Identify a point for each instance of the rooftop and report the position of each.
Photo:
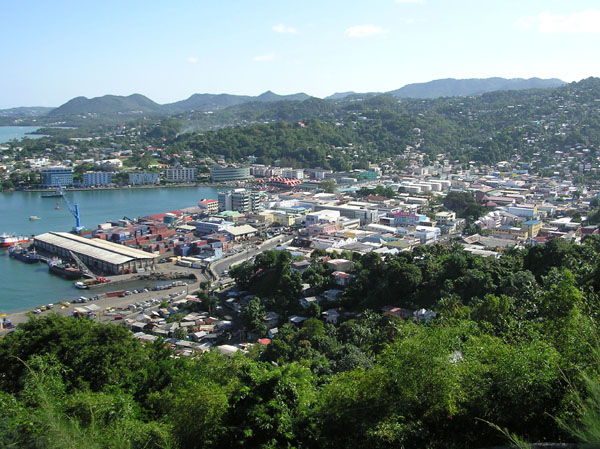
(95, 248)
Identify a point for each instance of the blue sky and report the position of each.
(54, 51)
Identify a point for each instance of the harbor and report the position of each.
(26, 286)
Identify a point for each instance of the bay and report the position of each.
(24, 286)
(8, 133)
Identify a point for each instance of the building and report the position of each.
(220, 173)
(98, 178)
(211, 226)
(522, 211)
(98, 255)
(445, 218)
(240, 200)
(292, 173)
(209, 206)
(146, 178)
(367, 175)
(55, 176)
(181, 174)
(408, 219)
(240, 232)
(322, 216)
(532, 227)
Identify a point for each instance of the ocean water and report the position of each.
(8, 133)
(24, 286)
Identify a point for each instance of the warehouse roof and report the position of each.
(240, 230)
(96, 248)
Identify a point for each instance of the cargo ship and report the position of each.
(65, 270)
(9, 240)
(22, 254)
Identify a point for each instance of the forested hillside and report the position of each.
(512, 345)
(525, 127)
(529, 125)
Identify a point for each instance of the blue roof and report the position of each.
(532, 222)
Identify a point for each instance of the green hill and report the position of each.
(108, 104)
(451, 87)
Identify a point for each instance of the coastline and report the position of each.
(170, 272)
(153, 186)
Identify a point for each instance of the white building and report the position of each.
(181, 174)
(100, 178)
(292, 173)
(138, 179)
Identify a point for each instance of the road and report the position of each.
(224, 264)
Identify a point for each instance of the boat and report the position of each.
(22, 254)
(86, 284)
(65, 270)
(55, 194)
(34, 218)
(9, 240)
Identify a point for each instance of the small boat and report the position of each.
(34, 218)
(86, 284)
(22, 254)
(55, 194)
(9, 240)
(56, 266)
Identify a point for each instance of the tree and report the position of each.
(252, 317)
(328, 186)
(180, 333)
(464, 204)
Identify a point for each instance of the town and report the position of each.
(321, 218)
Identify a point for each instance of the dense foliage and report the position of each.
(510, 342)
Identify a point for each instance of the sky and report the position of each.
(52, 51)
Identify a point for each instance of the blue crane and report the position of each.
(73, 208)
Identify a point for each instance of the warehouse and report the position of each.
(99, 255)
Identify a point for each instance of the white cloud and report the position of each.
(281, 28)
(410, 1)
(192, 59)
(364, 31)
(578, 22)
(265, 58)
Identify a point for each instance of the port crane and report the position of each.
(73, 208)
(82, 267)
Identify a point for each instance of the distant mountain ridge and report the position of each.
(139, 104)
(108, 104)
(28, 111)
(451, 87)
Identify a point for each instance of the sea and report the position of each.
(23, 286)
(8, 133)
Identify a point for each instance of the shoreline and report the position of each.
(169, 273)
(86, 189)
(90, 189)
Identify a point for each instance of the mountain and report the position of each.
(136, 103)
(207, 102)
(339, 95)
(108, 104)
(270, 96)
(32, 111)
(451, 87)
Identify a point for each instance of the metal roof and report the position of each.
(240, 230)
(95, 248)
